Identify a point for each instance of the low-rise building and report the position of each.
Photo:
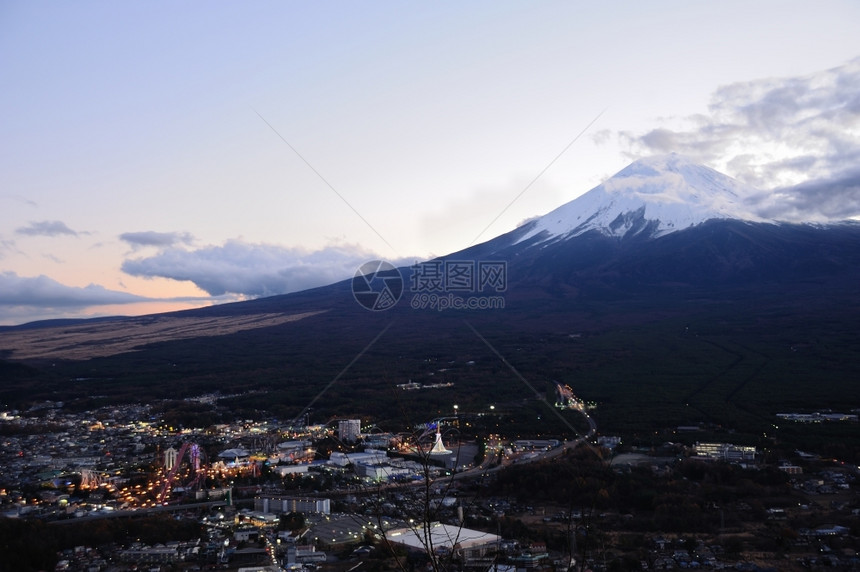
(284, 504)
(464, 542)
(725, 452)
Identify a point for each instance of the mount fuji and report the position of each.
(618, 284)
(665, 223)
(652, 197)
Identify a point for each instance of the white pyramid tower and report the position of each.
(438, 446)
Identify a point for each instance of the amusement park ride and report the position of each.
(172, 465)
(194, 472)
(565, 399)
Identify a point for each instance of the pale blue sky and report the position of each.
(133, 159)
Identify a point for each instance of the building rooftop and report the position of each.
(442, 536)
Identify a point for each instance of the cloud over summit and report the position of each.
(797, 136)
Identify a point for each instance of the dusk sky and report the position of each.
(159, 156)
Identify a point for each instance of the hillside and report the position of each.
(724, 323)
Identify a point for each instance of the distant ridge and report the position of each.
(59, 322)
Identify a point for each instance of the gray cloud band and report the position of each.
(251, 269)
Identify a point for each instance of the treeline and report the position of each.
(191, 414)
(9, 429)
(692, 496)
(33, 545)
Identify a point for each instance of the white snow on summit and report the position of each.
(658, 195)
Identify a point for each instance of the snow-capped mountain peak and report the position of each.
(654, 197)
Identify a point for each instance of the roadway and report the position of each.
(484, 468)
(138, 512)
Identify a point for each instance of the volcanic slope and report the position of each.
(659, 294)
